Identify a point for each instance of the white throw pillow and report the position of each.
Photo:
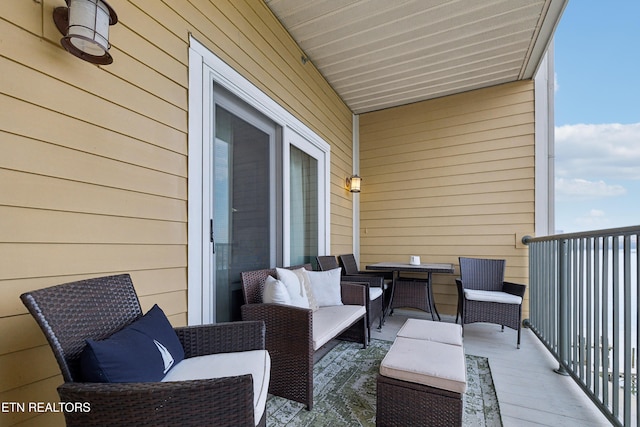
(275, 292)
(294, 286)
(325, 286)
(306, 282)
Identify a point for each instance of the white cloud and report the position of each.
(598, 152)
(582, 189)
(594, 219)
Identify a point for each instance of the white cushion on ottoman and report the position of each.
(254, 362)
(447, 333)
(429, 363)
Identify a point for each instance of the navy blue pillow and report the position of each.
(143, 351)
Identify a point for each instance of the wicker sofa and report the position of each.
(292, 333)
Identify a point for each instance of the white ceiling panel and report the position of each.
(378, 54)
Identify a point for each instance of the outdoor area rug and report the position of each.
(345, 391)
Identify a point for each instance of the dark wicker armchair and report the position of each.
(484, 296)
(290, 335)
(96, 308)
(374, 287)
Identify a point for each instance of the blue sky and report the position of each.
(597, 115)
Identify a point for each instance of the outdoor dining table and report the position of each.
(413, 292)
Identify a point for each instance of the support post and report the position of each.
(563, 306)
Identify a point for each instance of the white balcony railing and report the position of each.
(583, 292)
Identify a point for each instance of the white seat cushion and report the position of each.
(374, 293)
(255, 362)
(425, 362)
(331, 320)
(492, 296)
(447, 333)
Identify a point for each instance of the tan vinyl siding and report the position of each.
(450, 177)
(93, 159)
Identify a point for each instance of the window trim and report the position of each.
(203, 62)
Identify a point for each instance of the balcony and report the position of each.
(584, 308)
(528, 390)
(578, 361)
(96, 161)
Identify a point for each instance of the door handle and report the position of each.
(211, 235)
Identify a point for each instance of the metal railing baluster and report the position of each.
(584, 299)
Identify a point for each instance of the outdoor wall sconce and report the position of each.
(85, 27)
(353, 183)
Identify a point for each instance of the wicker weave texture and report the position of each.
(491, 312)
(327, 262)
(350, 266)
(289, 338)
(70, 313)
(96, 308)
(488, 275)
(482, 274)
(411, 293)
(401, 403)
(185, 403)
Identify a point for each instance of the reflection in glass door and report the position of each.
(304, 207)
(242, 206)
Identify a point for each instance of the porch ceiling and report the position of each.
(380, 53)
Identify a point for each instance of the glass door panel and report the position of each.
(303, 176)
(241, 206)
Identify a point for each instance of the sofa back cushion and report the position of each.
(325, 286)
(275, 292)
(295, 287)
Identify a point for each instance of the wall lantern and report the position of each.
(353, 183)
(85, 27)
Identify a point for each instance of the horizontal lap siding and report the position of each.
(450, 177)
(93, 160)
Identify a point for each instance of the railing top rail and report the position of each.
(622, 231)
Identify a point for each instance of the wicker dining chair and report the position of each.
(484, 296)
(327, 262)
(375, 290)
(350, 266)
(70, 313)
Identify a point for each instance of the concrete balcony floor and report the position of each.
(529, 392)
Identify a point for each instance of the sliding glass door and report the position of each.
(258, 187)
(243, 199)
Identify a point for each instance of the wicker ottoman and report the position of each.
(421, 381)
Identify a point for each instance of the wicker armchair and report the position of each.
(289, 337)
(374, 287)
(484, 296)
(96, 308)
